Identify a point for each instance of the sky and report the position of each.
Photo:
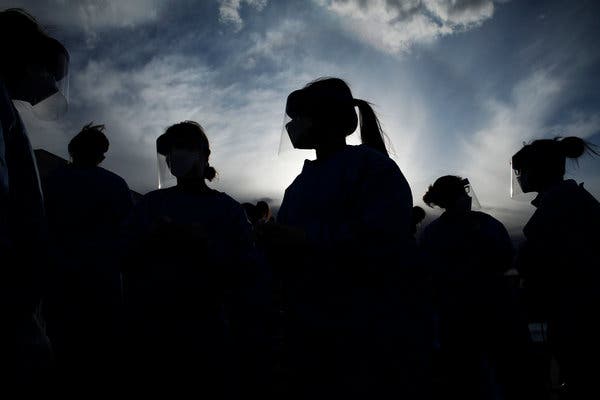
(459, 85)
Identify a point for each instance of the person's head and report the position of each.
(449, 193)
(32, 61)
(251, 214)
(87, 148)
(322, 113)
(541, 163)
(186, 149)
(418, 215)
(263, 210)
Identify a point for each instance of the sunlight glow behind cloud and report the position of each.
(458, 85)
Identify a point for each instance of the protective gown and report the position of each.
(354, 296)
(196, 294)
(86, 207)
(23, 250)
(483, 339)
(561, 267)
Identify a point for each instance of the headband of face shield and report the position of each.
(316, 110)
(179, 151)
(40, 74)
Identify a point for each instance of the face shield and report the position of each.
(165, 177)
(56, 105)
(515, 186)
(178, 163)
(285, 143)
(475, 204)
(45, 83)
(516, 190)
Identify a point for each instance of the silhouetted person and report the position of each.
(85, 204)
(31, 66)
(343, 232)
(251, 213)
(418, 215)
(559, 260)
(259, 213)
(196, 296)
(263, 211)
(483, 342)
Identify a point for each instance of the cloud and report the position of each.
(527, 115)
(90, 16)
(243, 121)
(229, 11)
(275, 44)
(394, 26)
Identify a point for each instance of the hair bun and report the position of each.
(572, 147)
(210, 173)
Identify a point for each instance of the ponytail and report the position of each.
(371, 133)
(574, 147)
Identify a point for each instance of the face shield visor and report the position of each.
(56, 105)
(515, 186)
(475, 204)
(516, 189)
(165, 177)
(181, 153)
(45, 83)
(178, 163)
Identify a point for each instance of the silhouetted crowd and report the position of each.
(188, 293)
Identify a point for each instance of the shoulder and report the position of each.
(59, 173)
(485, 218)
(432, 231)
(110, 176)
(371, 156)
(489, 222)
(434, 226)
(378, 167)
(567, 201)
(227, 201)
(232, 211)
(154, 195)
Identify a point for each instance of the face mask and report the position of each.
(525, 183)
(300, 133)
(467, 203)
(181, 162)
(462, 204)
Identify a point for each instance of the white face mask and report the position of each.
(181, 161)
